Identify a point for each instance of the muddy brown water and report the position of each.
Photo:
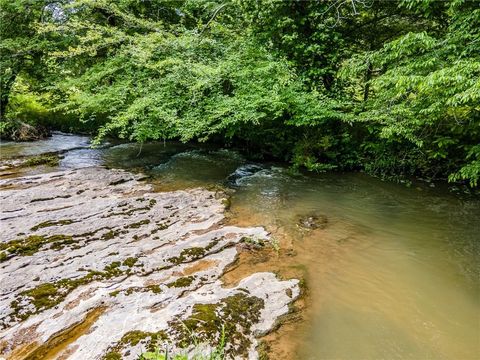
(391, 272)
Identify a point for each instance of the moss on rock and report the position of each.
(45, 159)
(149, 341)
(234, 316)
(188, 254)
(48, 295)
(51, 223)
(130, 262)
(182, 282)
(31, 244)
(137, 224)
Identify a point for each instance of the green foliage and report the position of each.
(391, 87)
(6, 128)
(199, 351)
(425, 96)
(186, 86)
(470, 171)
(27, 105)
(205, 83)
(21, 46)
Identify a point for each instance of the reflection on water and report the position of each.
(394, 273)
(197, 167)
(82, 158)
(57, 142)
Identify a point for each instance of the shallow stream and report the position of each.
(391, 272)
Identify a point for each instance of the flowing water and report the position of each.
(391, 272)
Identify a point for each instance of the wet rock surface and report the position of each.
(312, 221)
(50, 159)
(98, 246)
(235, 178)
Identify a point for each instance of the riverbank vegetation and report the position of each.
(388, 87)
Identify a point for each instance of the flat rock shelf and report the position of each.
(95, 265)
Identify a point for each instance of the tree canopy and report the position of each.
(390, 87)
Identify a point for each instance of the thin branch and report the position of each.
(215, 13)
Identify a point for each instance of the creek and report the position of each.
(390, 271)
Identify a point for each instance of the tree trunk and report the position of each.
(3, 107)
(5, 95)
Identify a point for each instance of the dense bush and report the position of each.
(389, 87)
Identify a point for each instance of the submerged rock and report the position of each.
(94, 260)
(242, 172)
(312, 221)
(49, 159)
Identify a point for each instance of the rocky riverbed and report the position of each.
(94, 264)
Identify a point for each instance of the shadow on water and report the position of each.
(391, 272)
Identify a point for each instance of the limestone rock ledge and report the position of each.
(93, 265)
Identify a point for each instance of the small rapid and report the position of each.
(391, 272)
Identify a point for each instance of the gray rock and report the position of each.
(96, 245)
(312, 221)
